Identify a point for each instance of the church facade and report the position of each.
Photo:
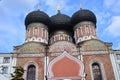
(64, 48)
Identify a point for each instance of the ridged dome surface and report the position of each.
(60, 22)
(83, 15)
(37, 16)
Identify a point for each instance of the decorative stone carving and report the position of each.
(60, 47)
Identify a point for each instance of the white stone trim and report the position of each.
(94, 52)
(65, 78)
(81, 72)
(85, 38)
(38, 39)
(46, 66)
(101, 68)
(114, 65)
(26, 66)
(31, 55)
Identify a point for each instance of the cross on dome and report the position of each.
(38, 6)
(80, 6)
(58, 7)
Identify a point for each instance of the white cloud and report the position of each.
(11, 8)
(114, 28)
(112, 5)
(51, 6)
(11, 35)
(12, 29)
(102, 16)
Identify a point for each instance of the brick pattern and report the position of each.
(60, 36)
(23, 61)
(105, 61)
(64, 45)
(36, 31)
(85, 31)
(60, 42)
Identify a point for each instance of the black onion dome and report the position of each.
(37, 16)
(83, 15)
(60, 22)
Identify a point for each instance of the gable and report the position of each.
(31, 47)
(93, 45)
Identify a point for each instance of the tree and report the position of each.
(18, 74)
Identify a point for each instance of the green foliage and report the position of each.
(18, 74)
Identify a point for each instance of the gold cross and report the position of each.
(80, 6)
(38, 6)
(58, 6)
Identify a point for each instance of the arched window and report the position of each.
(61, 37)
(96, 71)
(31, 70)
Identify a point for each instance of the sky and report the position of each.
(13, 13)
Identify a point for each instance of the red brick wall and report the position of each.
(39, 61)
(106, 64)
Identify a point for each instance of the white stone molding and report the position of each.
(38, 39)
(94, 52)
(85, 38)
(31, 55)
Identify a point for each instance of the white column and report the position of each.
(114, 65)
(46, 62)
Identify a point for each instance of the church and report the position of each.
(63, 48)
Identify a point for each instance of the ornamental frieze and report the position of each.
(31, 55)
(93, 52)
(60, 47)
(59, 53)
